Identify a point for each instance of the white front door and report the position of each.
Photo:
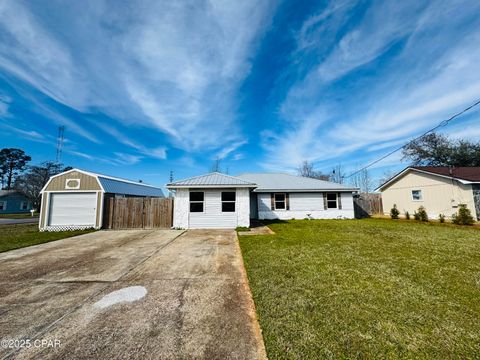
(73, 209)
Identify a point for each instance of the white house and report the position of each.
(222, 201)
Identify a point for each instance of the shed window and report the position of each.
(228, 201)
(3, 205)
(24, 205)
(332, 200)
(280, 201)
(196, 201)
(416, 195)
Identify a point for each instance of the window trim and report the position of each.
(284, 201)
(68, 187)
(229, 201)
(331, 201)
(4, 202)
(196, 202)
(26, 205)
(420, 193)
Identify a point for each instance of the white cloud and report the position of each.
(432, 77)
(174, 67)
(226, 151)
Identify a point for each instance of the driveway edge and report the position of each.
(252, 311)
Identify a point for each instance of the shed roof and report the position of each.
(116, 185)
(267, 182)
(214, 179)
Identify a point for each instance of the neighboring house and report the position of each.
(221, 201)
(75, 199)
(439, 189)
(13, 202)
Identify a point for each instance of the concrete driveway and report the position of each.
(160, 294)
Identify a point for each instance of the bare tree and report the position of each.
(337, 174)
(387, 175)
(363, 181)
(307, 170)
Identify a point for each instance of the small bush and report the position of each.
(407, 215)
(416, 215)
(441, 218)
(394, 212)
(463, 217)
(422, 214)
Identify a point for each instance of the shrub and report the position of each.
(394, 212)
(463, 217)
(422, 214)
(441, 218)
(407, 215)
(416, 215)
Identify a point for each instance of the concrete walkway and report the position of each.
(131, 295)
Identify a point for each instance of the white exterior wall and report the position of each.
(302, 204)
(439, 195)
(212, 216)
(181, 208)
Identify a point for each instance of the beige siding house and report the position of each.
(439, 189)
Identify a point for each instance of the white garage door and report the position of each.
(73, 209)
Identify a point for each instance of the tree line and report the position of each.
(17, 174)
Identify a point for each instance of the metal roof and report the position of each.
(214, 179)
(267, 182)
(115, 186)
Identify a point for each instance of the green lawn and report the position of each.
(22, 235)
(364, 289)
(18, 216)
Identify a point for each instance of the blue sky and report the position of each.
(152, 86)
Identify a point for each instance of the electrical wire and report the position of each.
(441, 124)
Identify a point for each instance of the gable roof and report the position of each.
(267, 182)
(115, 185)
(214, 179)
(9, 192)
(466, 175)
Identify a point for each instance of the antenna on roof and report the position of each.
(60, 138)
(171, 176)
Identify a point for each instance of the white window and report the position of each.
(24, 205)
(332, 201)
(196, 201)
(416, 195)
(72, 184)
(280, 201)
(228, 201)
(3, 205)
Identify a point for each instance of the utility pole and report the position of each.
(60, 138)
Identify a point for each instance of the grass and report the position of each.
(18, 216)
(22, 235)
(364, 289)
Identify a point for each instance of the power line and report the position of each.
(441, 124)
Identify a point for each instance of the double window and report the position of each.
(197, 199)
(3, 205)
(332, 202)
(280, 201)
(416, 195)
(228, 201)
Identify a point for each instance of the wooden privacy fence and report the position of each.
(138, 213)
(366, 205)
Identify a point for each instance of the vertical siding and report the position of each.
(439, 195)
(87, 182)
(43, 210)
(180, 209)
(212, 216)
